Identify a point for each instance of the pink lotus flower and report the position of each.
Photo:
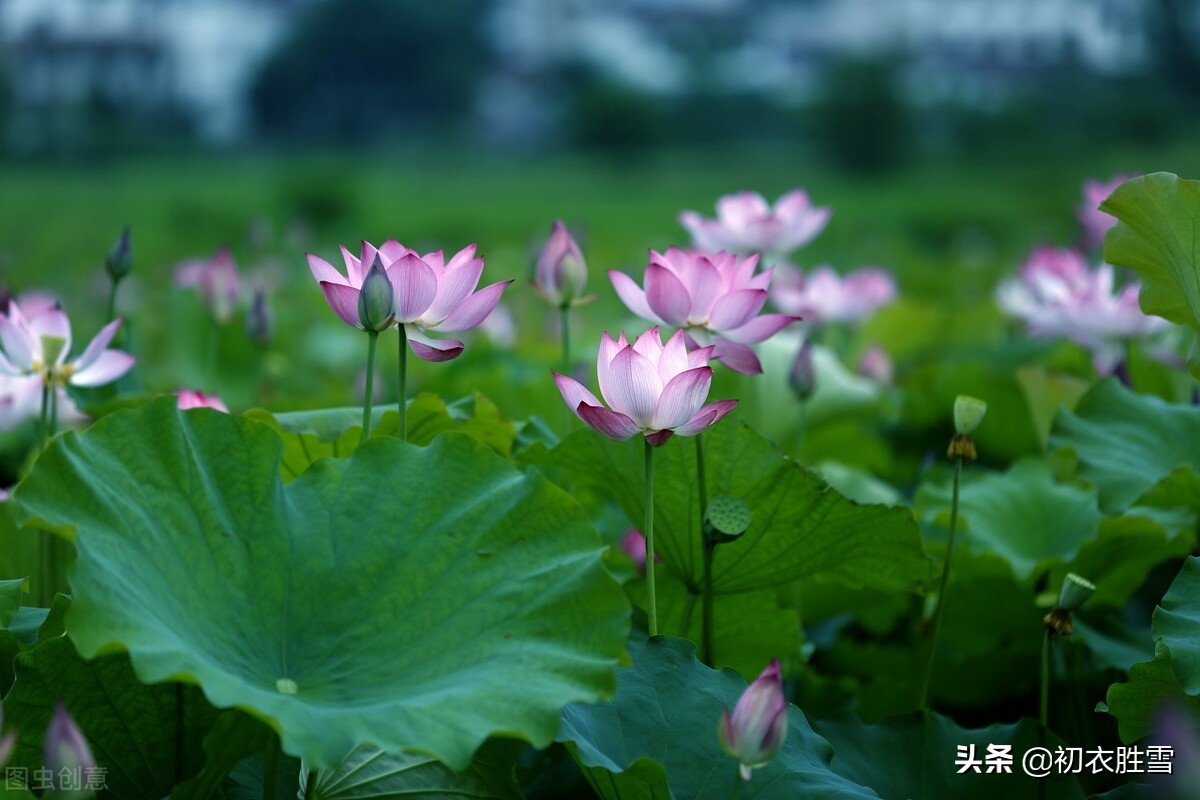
(430, 294)
(190, 399)
(67, 754)
(40, 346)
(715, 297)
(1057, 294)
(1095, 222)
(650, 388)
(756, 731)
(747, 223)
(561, 273)
(633, 544)
(216, 279)
(824, 296)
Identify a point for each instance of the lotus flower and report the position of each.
(430, 294)
(1057, 294)
(756, 731)
(561, 273)
(802, 377)
(876, 364)
(824, 296)
(40, 346)
(216, 279)
(190, 399)
(746, 223)
(633, 544)
(716, 297)
(650, 388)
(67, 755)
(1095, 222)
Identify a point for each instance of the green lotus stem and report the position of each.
(180, 735)
(44, 420)
(372, 340)
(53, 408)
(403, 383)
(945, 582)
(1044, 698)
(310, 785)
(737, 785)
(112, 300)
(706, 631)
(271, 773)
(689, 605)
(651, 600)
(565, 317)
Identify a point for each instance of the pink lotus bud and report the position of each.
(803, 377)
(216, 279)
(190, 399)
(119, 261)
(259, 324)
(634, 545)
(7, 741)
(67, 755)
(561, 273)
(876, 364)
(756, 731)
(376, 299)
(1095, 223)
(654, 389)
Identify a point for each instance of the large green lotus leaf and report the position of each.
(1126, 549)
(749, 629)
(1151, 685)
(234, 736)
(1126, 443)
(800, 526)
(914, 757)
(1158, 235)
(148, 738)
(10, 599)
(1113, 642)
(334, 432)
(417, 598)
(371, 774)
(1177, 622)
(658, 737)
(1021, 515)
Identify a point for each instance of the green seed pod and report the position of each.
(725, 519)
(968, 413)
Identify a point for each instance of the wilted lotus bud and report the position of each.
(803, 378)
(561, 273)
(68, 756)
(377, 299)
(119, 261)
(1075, 592)
(968, 413)
(258, 321)
(758, 727)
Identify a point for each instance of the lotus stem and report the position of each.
(651, 600)
(945, 582)
(372, 341)
(706, 631)
(181, 735)
(737, 785)
(565, 317)
(310, 785)
(112, 300)
(271, 772)
(1044, 698)
(403, 408)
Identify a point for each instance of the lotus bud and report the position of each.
(755, 732)
(377, 300)
(876, 364)
(7, 742)
(968, 413)
(119, 261)
(258, 321)
(633, 544)
(803, 378)
(561, 273)
(67, 755)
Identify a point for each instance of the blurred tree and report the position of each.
(356, 69)
(862, 122)
(1175, 27)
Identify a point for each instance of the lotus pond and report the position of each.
(723, 523)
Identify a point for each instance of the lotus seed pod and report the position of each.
(726, 518)
(1075, 592)
(968, 413)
